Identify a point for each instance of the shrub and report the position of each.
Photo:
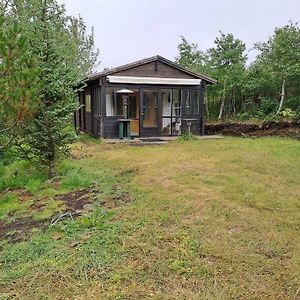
(22, 175)
(266, 108)
(288, 113)
(187, 137)
(73, 178)
(245, 116)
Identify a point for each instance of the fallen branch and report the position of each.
(60, 216)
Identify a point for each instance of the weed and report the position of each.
(186, 137)
(96, 218)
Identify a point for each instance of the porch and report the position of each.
(152, 111)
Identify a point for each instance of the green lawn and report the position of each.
(203, 219)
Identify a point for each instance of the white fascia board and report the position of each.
(153, 80)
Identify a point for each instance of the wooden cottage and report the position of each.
(149, 98)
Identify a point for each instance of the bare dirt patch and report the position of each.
(20, 229)
(73, 203)
(283, 128)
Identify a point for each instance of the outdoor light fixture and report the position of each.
(124, 91)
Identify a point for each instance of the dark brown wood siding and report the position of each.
(111, 127)
(154, 69)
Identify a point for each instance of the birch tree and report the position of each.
(282, 55)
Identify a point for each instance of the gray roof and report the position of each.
(149, 60)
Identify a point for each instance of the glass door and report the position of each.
(149, 112)
(171, 112)
(133, 113)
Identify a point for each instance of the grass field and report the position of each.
(203, 219)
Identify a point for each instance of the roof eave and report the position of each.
(149, 60)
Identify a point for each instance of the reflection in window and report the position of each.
(120, 105)
(110, 102)
(166, 126)
(192, 100)
(150, 108)
(133, 107)
(171, 111)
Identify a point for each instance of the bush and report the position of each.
(245, 116)
(21, 175)
(266, 108)
(294, 104)
(187, 137)
(288, 113)
(72, 177)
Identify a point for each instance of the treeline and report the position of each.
(44, 57)
(268, 88)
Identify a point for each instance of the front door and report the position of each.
(149, 113)
(133, 113)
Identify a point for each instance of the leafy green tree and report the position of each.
(281, 53)
(227, 61)
(59, 45)
(190, 56)
(82, 52)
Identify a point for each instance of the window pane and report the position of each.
(110, 103)
(195, 102)
(192, 100)
(166, 126)
(133, 107)
(120, 105)
(176, 124)
(87, 103)
(176, 103)
(187, 103)
(150, 109)
(171, 101)
(166, 102)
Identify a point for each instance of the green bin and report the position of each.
(124, 129)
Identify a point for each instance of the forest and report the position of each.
(267, 88)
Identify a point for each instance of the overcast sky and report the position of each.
(128, 30)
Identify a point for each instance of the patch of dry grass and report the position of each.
(211, 219)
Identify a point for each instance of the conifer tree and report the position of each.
(56, 48)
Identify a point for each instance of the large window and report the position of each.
(115, 103)
(171, 111)
(191, 102)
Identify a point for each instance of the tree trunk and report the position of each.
(282, 95)
(51, 168)
(206, 106)
(223, 101)
(234, 103)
